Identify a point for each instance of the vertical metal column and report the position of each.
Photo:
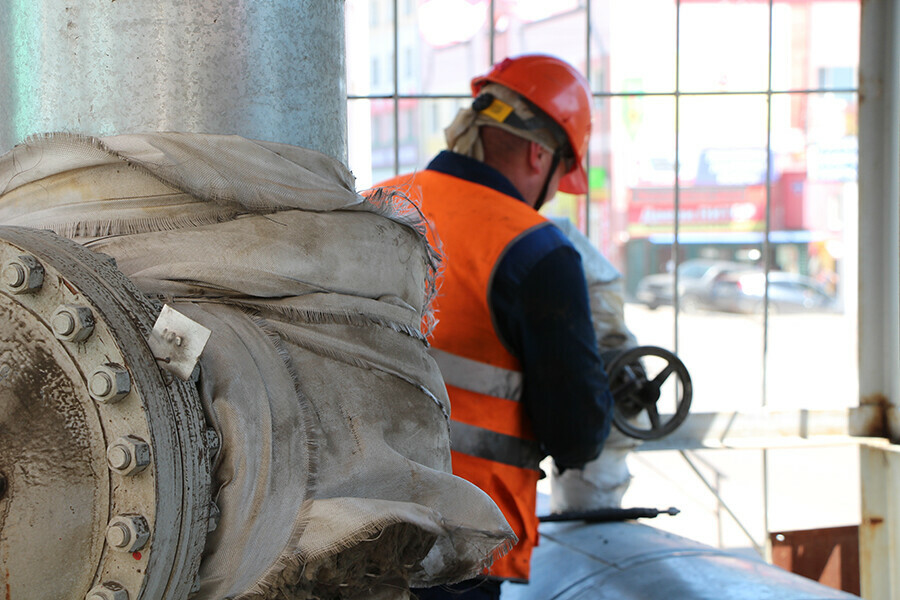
(879, 291)
(263, 70)
(879, 215)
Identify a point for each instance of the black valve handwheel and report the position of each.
(635, 391)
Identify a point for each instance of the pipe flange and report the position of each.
(101, 426)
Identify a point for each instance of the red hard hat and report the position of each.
(561, 92)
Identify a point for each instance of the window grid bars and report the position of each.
(807, 91)
(588, 74)
(677, 95)
(765, 252)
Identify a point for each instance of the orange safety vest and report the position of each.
(491, 441)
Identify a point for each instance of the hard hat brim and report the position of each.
(575, 181)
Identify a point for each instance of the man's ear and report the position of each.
(535, 156)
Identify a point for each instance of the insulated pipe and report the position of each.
(632, 561)
(264, 70)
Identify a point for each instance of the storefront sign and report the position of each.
(699, 209)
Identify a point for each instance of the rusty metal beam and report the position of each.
(879, 532)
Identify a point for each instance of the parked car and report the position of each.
(744, 292)
(696, 278)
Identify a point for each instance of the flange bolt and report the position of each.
(108, 590)
(23, 274)
(72, 323)
(128, 455)
(109, 383)
(128, 533)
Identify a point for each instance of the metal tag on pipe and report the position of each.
(177, 342)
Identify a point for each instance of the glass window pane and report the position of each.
(724, 46)
(443, 44)
(722, 141)
(420, 135)
(359, 142)
(434, 117)
(369, 34)
(558, 28)
(530, 11)
(722, 223)
(723, 159)
(807, 53)
(371, 154)
(633, 46)
(722, 347)
(631, 202)
(409, 153)
(632, 216)
(735, 183)
(812, 327)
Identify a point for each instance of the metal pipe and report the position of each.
(632, 561)
(262, 70)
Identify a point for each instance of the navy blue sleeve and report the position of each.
(541, 311)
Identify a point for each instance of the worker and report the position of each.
(514, 338)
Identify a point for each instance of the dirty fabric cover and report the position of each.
(334, 476)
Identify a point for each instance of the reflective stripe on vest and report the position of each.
(474, 376)
(484, 443)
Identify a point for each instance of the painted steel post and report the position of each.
(879, 293)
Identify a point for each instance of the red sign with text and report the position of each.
(699, 209)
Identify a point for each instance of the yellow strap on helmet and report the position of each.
(497, 110)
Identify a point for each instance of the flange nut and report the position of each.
(128, 455)
(23, 274)
(72, 323)
(108, 590)
(128, 533)
(109, 383)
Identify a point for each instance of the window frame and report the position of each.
(877, 304)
